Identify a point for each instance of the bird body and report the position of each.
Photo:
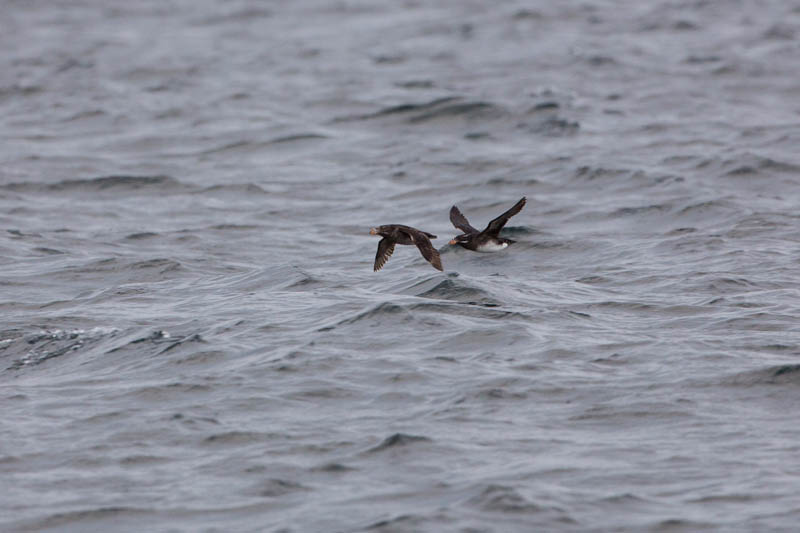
(489, 239)
(492, 246)
(398, 234)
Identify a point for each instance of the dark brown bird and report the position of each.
(397, 234)
(488, 240)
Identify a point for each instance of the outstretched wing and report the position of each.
(460, 221)
(385, 251)
(497, 224)
(426, 248)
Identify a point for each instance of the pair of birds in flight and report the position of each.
(488, 240)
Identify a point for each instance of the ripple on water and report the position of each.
(455, 289)
(507, 502)
(36, 348)
(397, 440)
(97, 518)
(786, 374)
(114, 184)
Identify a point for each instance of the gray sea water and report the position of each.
(192, 336)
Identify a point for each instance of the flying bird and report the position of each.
(488, 240)
(397, 234)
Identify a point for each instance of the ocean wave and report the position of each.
(399, 524)
(82, 518)
(143, 184)
(35, 348)
(397, 440)
(157, 342)
(236, 15)
(141, 235)
(786, 374)
(505, 499)
(746, 164)
(124, 270)
(234, 188)
(276, 487)
(249, 146)
(383, 310)
(440, 108)
(236, 438)
(453, 289)
(552, 125)
(606, 174)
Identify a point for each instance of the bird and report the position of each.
(487, 240)
(398, 234)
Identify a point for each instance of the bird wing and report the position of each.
(385, 251)
(460, 221)
(497, 224)
(426, 248)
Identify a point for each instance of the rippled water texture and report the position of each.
(193, 338)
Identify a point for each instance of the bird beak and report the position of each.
(453, 241)
(373, 231)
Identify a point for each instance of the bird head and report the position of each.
(459, 238)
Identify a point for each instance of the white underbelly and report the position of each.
(492, 247)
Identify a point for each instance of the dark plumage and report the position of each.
(397, 234)
(488, 240)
